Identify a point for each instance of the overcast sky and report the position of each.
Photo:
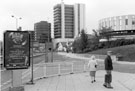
(32, 11)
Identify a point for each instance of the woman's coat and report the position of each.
(92, 65)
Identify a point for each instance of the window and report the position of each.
(120, 22)
(126, 21)
(133, 22)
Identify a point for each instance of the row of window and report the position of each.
(122, 28)
(67, 34)
(115, 23)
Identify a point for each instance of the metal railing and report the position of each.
(50, 69)
(55, 69)
(44, 70)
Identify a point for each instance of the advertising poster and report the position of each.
(16, 50)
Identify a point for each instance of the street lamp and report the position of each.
(16, 21)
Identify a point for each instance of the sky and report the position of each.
(32, 11)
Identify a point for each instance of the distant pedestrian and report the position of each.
(108, 67)
(92, 65)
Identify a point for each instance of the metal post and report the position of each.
(31, 54)
(59, 70)
(72, 68)
(32, 65)
(32, 62)
(84, 69)
(52, 55)
(44, 70)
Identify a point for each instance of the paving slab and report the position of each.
(82, 82)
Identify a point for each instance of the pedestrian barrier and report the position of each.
(59, 68)
(55, 69)
(52, 69)
(44, 70)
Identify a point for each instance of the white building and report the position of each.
(124, 22)
(69, 20)
(119, 23)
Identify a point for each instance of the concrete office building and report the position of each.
(69, 20)
(125, 22)
(32, 35)
(42, 31)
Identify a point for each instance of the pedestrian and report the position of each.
(108, 67)
(92, 65)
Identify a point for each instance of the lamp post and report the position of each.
(16, 21)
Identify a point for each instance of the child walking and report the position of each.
(92, 65)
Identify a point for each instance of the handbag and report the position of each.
(95, 66)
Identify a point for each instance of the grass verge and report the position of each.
(127, 52)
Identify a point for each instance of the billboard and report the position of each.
(16, 50)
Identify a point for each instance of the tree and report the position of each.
(96, 35)
(84, 40)
(80, 43)
(103, 32)
(76, 45)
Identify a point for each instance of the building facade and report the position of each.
(42, 31)
(32, 35)
(119, 23)
(1, 47)
(69, 20)
(125, 22)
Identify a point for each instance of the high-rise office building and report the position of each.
(69, 20)
(42, 31)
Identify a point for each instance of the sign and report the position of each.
(16, 50)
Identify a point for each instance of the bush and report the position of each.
(91, 45)
(119, 57)
(87, 50)
(116, 43)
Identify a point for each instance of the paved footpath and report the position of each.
(82, 81)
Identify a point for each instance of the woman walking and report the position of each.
(92, 65)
